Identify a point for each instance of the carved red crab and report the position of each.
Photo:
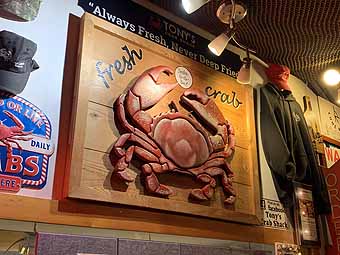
(197, 143)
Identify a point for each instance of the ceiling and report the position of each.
(301, 34)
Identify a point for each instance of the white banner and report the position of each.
(36, 143)
(274, 215)
(330, 119)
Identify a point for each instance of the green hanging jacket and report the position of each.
(288, 147)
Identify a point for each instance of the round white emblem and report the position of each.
(183, 77)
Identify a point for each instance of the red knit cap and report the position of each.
(278, 75)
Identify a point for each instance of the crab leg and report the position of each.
(120, 158)
(212, 162)
(221, 154)
(21, 138)
(215, 166)
(146, 153)
(15, 119)
(207, 191)
(15, 142)
(9, 148)
(130, 137)
(23, 133)
(155, 167)
(151, 181)
(152, 184)
(226, 180)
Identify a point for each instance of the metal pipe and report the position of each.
(242, 46)
(232, 20)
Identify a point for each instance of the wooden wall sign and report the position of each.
(155, 129)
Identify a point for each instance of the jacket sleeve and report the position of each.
(273, 142)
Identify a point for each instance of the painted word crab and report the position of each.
(197, 143)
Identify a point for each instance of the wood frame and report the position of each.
(298, 217)
(330, 140)
(93, 215)
(77, 212)
(75, 189)
(321, 151)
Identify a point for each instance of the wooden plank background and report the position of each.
(87, 213)
(95, 132)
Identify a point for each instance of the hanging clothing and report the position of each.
(288, 147)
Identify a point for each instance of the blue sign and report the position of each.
(25, 144)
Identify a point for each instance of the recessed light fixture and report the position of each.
(331, 77)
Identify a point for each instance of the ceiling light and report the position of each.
(331, 77)
(218, 45)
(192, 5)
(243, 76)
(228, 13)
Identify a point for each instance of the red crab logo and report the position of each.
(9, 135)
(197, 143)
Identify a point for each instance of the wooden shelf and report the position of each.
(87, 214)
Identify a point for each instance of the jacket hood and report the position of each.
(285, 94)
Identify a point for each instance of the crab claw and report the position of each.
(197, 95)
(15, 119)
(208, 113)
(149, 90)
(206, 110)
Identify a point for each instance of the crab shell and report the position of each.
(182, 138)
(196, 143)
